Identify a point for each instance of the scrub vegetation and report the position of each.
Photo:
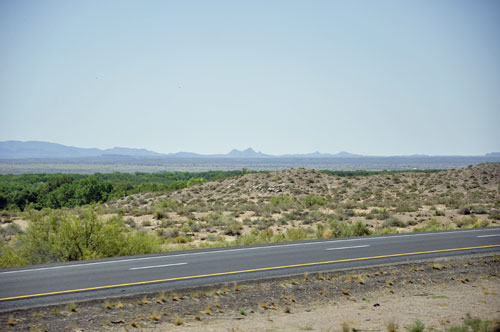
(107, 215)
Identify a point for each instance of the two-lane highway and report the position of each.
(93, 279)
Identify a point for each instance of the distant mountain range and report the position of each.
(36, 149)
(251, 153)
(39, 150)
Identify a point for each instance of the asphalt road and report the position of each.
(45, 284)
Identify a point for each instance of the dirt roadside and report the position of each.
(439, 292)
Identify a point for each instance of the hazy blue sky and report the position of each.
(369, 77)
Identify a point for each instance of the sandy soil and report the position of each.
(438, 306)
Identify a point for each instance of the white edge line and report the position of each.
(488, 235)
(243, 249)
(153, 266)
(353, 247)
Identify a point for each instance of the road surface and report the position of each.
(73, 281)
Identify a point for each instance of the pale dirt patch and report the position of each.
(22, 223)
(437, 306)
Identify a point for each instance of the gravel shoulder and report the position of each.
(439, 292)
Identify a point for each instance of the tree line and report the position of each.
(55, 191)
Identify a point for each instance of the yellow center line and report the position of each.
(243, 271)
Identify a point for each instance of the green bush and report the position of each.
(359, 229)
(296, 234)
(311, 200)
(467, 222)
(283, 201)
(393, 222)
(479, 325)
(405, 208)
(168, 204)
(417, 326)
(343, 229)
(431, 225)
(60, 237)
(9, 256)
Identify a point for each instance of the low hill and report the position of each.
(318, 204)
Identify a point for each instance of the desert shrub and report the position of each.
(216, 219)
(359, 229)
(248, 239)
(478, 325)
(171, 232)
(466, 222)
(313, 217)
(416, 326)
(311, 200)
(159, 214)
(339, 229)
(430, 226)
(60, 237)
(255, 237)
(343, 229)
(320, 230)
(266, 235)
(369, 216)
(233, 228)
(9, 256)
(494, 214)
(129, 221)
(380, 214)
(182, 239)
(194, 226)
(168, 204)
(478, 209)
(296, 234)
(412, 222)
(393, 222)
(283, 201)
(405, 207)
(471, 222)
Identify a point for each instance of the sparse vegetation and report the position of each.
(156, 212)
(178, 321)
(11, 321)
(416, 326)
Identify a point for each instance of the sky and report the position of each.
(367, 77)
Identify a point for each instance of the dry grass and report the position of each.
(178, 321)
(11, 321)
(155, 316)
